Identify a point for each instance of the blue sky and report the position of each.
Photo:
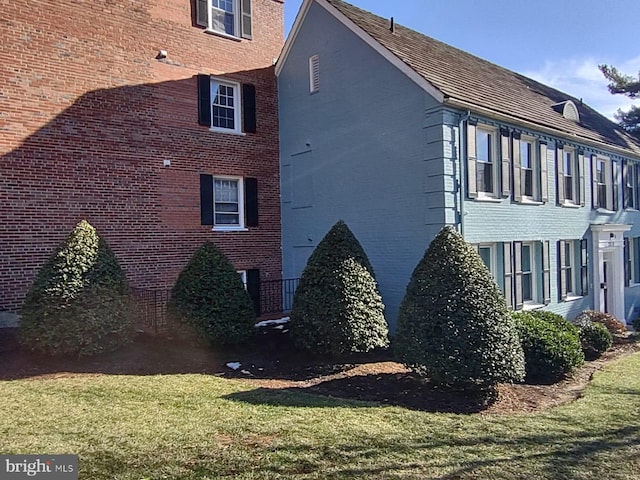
(557, 42)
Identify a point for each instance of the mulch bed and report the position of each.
(273, 364)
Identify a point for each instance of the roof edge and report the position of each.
(497, 115)
(365, 37)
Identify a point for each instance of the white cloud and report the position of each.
(581, 78)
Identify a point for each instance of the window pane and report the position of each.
(226, 203)
(223, 107)
(485, 177)
(485, 255)
(568, 163)
(526, 258)
(483, 142)
(525, 155)
(526, 287)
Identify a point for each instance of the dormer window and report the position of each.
(568, 110)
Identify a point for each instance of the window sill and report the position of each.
(633, 285)
(487, 199)
(228, 132)
(572, 298)
(230, 229)
(526, 201)
(570, 205)
(630, 209)
(532, 306)
(221, 34)
(605, 211)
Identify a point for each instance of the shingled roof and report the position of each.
(467, 81)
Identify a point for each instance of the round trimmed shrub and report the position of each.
(210, 297)
(615, 326)
(80, 302)
(454, 326)
(595, 340)
(337, 308)
(555, 319)
(550, 351)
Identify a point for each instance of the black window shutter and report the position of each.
(253, 288)
(204, 100)
(627, 264)
(249, 107)
(251, 201)
(206, 199)
(202, 15)
(246, 20)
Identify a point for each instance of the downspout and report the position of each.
(462, 152)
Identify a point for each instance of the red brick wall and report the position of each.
(88, 115)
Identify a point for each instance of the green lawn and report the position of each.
(204, 427)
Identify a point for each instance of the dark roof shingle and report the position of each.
(465, 77)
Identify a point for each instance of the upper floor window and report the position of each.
(602, 190)
(226, 106)
(225, 17)
(569, 164)
(630, 185)
(530, 169)
(486, 162)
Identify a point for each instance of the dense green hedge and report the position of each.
(210, 297)
(337, 308)
(551, 349)
(615, 326)
(454, 326)
(79, 303)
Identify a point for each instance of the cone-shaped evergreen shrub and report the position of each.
(454, 326)
(209, 296)
(337, 307)
(79, 303)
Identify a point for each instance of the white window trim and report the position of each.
(575, 177)
(240, 227)
(494, 161)
(535, 273)
(243, 277)
(236, 21)
(237, 107)
(570, 261)
(493, 267)
(534, 199)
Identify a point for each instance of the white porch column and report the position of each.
(608, 247)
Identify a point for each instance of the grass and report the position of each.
(205, 427)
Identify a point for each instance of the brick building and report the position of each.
(155, 120)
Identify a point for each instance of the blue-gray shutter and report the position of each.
(246, 20)
(206, 199)
(560, 173)
(517, 168)
(508, 273)
(544, 175)
(562, 271)
(584, 269)
(472, 182)
(251, 201)
(505, 161)
(546, 273)
(517, 275)
(582, 189)
(204, 100)
(627, 264)
(249, 108)
(253, 288)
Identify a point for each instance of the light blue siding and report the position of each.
(373, 155)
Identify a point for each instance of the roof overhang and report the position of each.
(497, 115)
